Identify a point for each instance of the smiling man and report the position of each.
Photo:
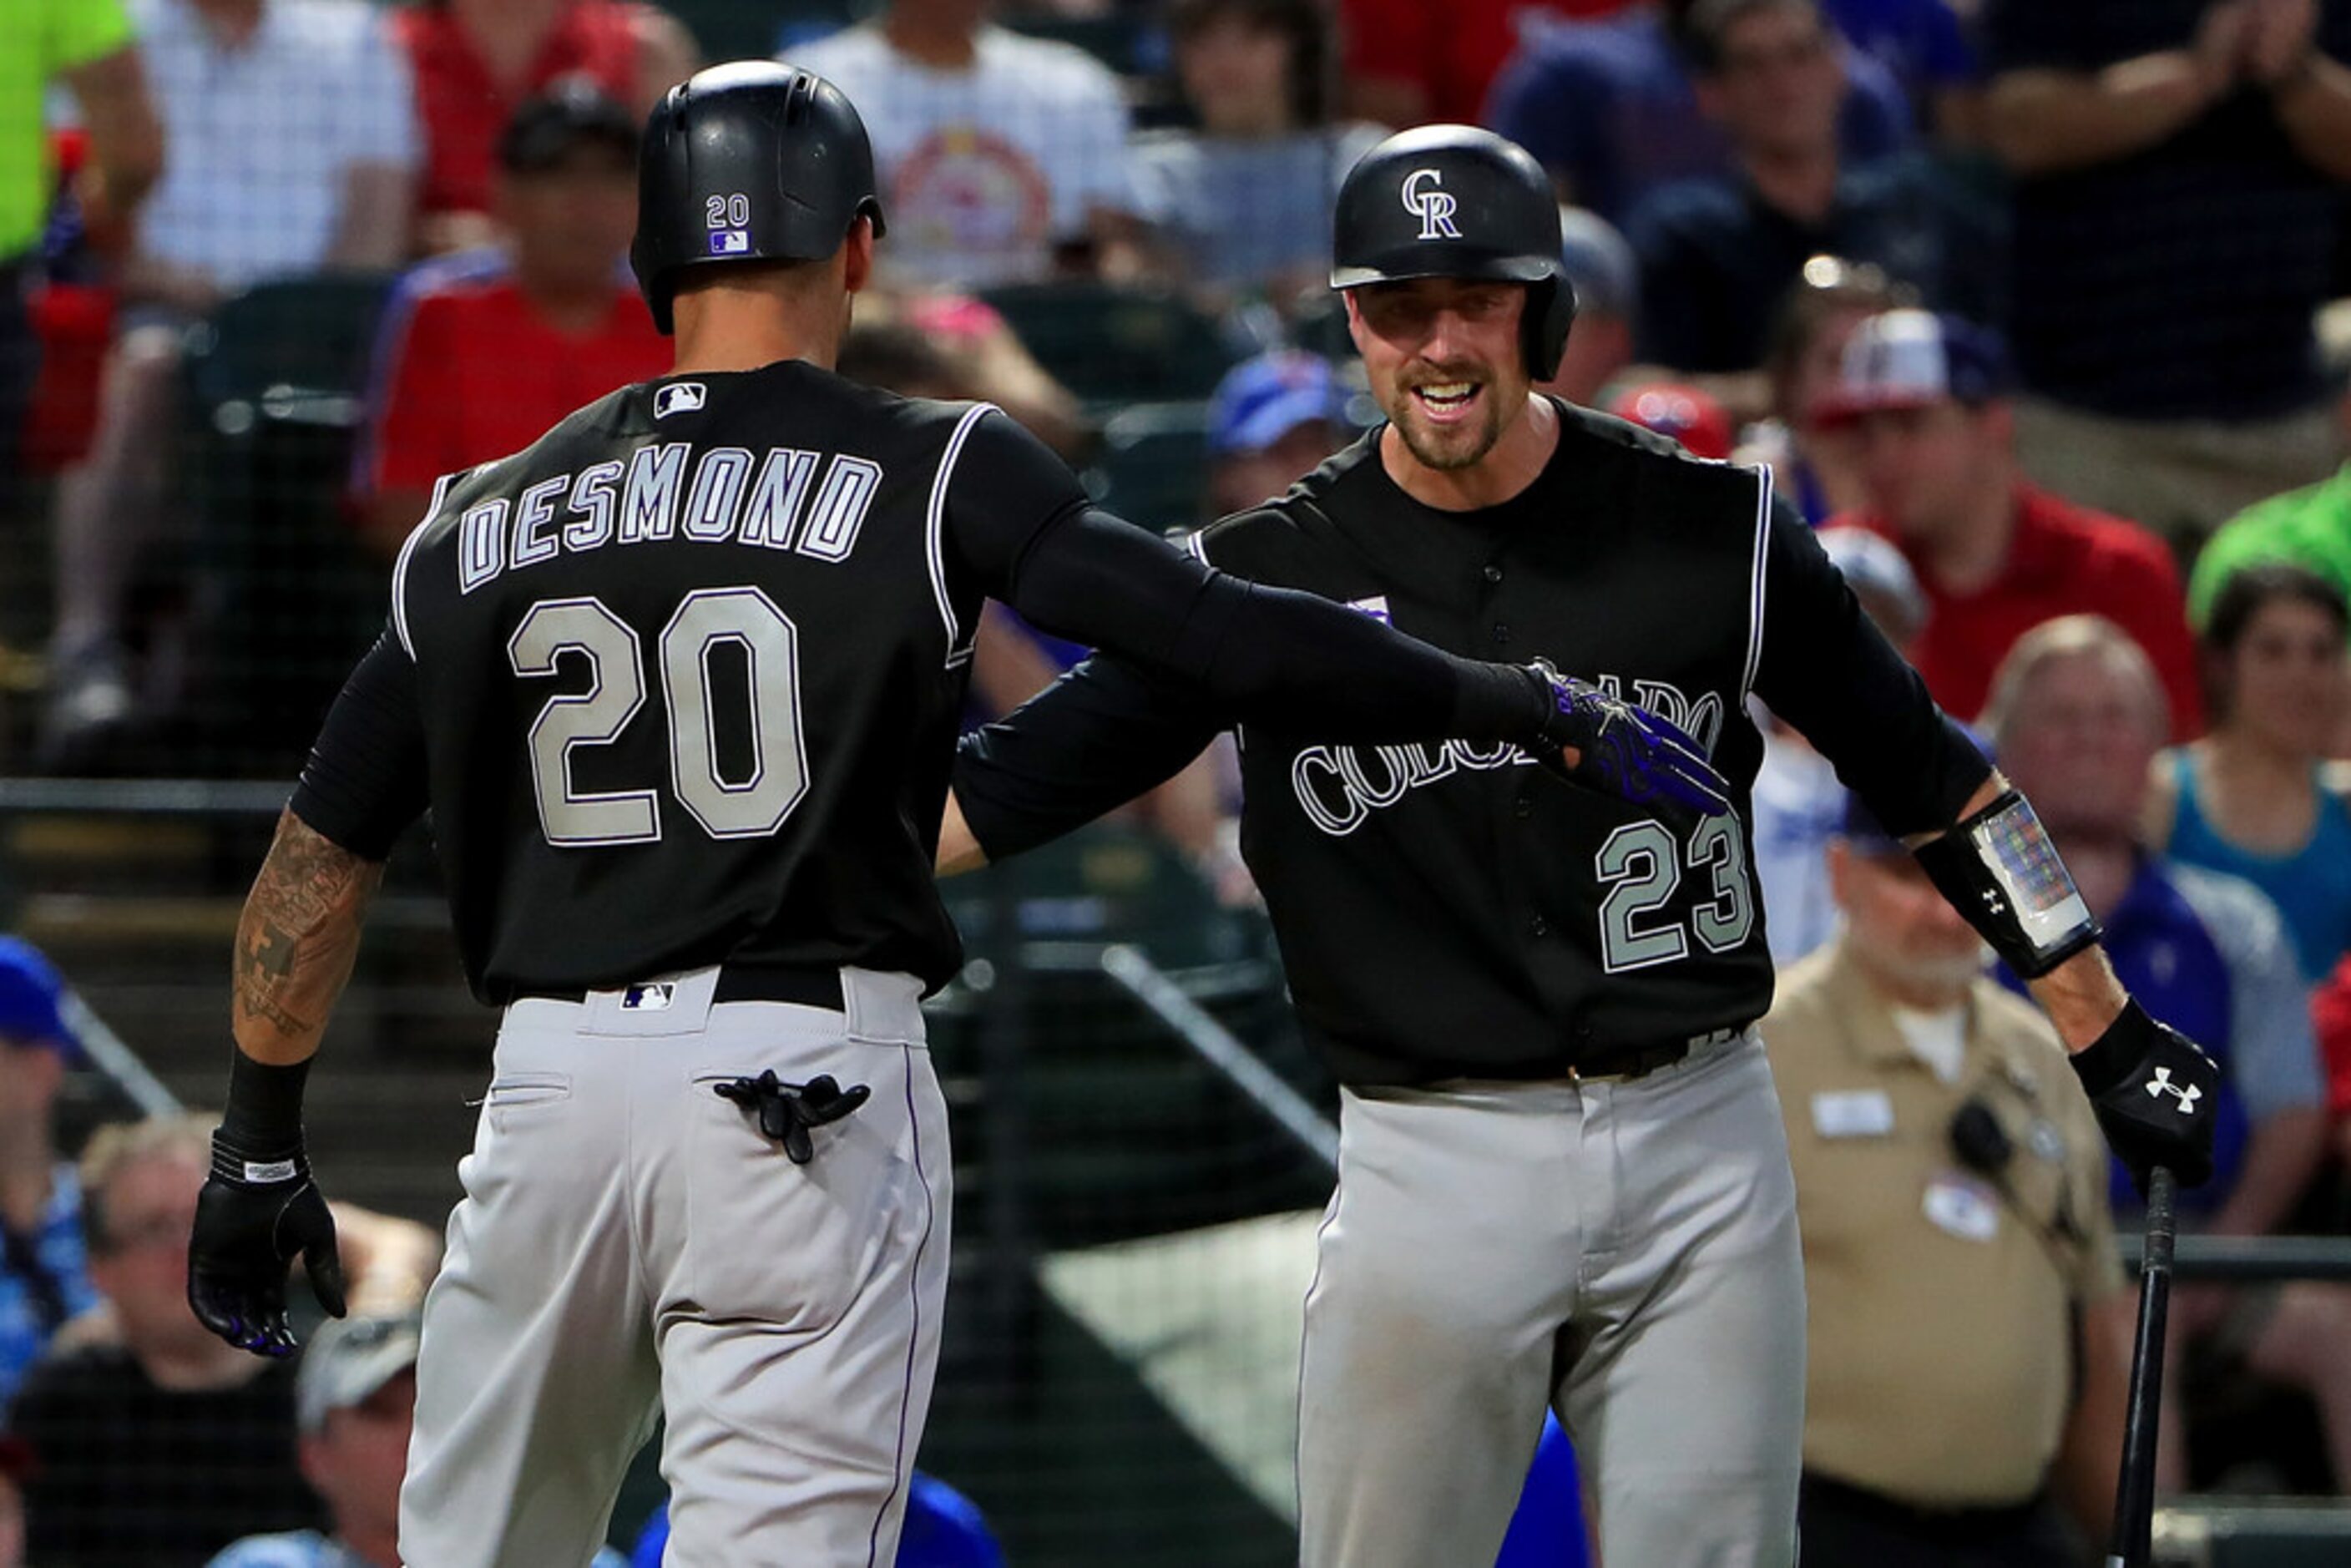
(1562, 1175)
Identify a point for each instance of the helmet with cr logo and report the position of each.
(1454, 201)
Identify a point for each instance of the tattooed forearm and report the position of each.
(297, 940)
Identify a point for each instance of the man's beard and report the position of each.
(1467, 448)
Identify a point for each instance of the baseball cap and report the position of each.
(1600, 263)
(31, 999)
(1263, 399)
(348, 1360)
(1874, 564)
(1913, 359)
(568, 110)
(1689, 414)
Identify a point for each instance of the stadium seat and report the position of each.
(1115, 345)
(1152, 467)
(287, 599)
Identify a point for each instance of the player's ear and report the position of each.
(857, 253)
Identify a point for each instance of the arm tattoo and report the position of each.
(297, 940)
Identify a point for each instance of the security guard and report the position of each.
(1965, 1301)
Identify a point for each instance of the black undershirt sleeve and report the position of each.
(1021, 525)
(1096, 738)
(1827, 670)
(366, 779)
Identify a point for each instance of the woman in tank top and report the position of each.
(2256, 796)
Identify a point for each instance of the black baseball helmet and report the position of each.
(747, 162)
(1454, 201)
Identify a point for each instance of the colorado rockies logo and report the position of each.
(1436, 209)
(2186, 1094)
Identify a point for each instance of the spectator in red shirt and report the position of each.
(1410, 61)
(2330, 1012)
(480, 352)
(1927, 396)
(476, 60)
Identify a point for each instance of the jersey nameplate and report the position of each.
(729, 497)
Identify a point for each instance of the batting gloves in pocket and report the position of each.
(2152, 1090)
(1625, 750)
(259, 1210)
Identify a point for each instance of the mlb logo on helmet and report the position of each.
(730, 242)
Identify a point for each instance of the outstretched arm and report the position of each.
(1024, 531)
(1825, 668)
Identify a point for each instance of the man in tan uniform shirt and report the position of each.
(1958, 1251)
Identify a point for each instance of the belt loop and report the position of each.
(881, 1007)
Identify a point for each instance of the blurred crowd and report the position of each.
(2041, 312)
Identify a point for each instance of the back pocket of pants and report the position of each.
(793, 1245)
(525, 1096)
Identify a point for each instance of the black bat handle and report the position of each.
(2132, 1540)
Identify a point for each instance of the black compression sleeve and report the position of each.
(1826, 669)
(365, 780)
(1092, 741)
(1268, 655)
(1265, 655)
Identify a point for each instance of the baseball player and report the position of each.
(679, 684)
(1562, 1173)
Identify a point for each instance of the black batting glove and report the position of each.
(2153, 1091)
(258, 1211)
(1624, 749)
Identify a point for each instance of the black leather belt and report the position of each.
(1627, 1063)
(808, 987)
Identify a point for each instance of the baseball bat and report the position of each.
(2132, 1539)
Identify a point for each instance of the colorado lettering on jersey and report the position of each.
(774, 502)
(1338, 787)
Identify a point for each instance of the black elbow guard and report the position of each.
(2000, 871)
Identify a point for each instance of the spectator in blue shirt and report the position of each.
(44, 1270)
(1718, 255)
(1609, 108)
(1923, 46)
(2077, 715)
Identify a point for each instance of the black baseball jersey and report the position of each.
(680, 682)
(1449, 910)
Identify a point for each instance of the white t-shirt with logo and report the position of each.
(983, 170)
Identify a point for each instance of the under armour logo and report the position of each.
(1421, 196)
(2187, 1094)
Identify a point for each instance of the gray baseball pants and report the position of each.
(1625, 1251)
(630, 1245)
